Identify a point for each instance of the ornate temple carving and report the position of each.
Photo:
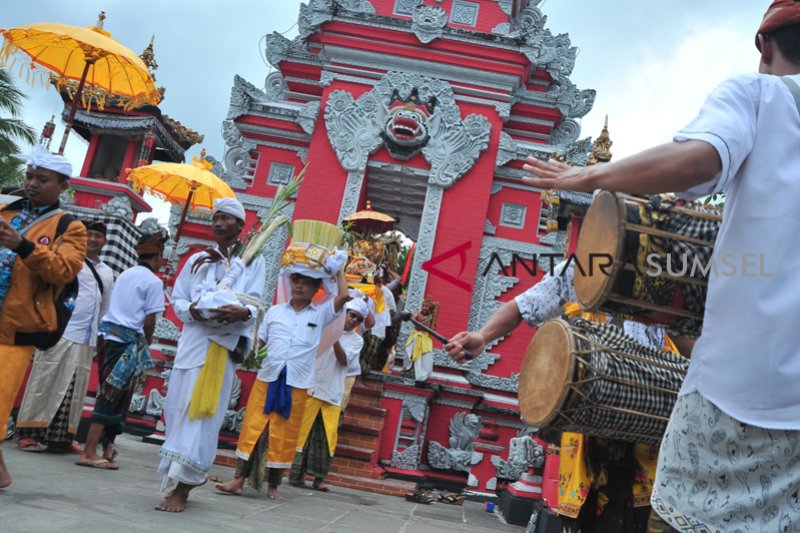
(464, 428)
(428, 22)
(429, 119)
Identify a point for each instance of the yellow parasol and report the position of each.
(89, 56)
(193, 186)
(369, 221)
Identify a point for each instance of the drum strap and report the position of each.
(794, 89)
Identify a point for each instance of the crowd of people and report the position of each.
(728, 460)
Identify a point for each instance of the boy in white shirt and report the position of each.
(319, 430)
(292, 332)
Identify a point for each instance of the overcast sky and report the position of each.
(652, 62)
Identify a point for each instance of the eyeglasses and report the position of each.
(355, 316)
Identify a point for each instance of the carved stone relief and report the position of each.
(428, 22)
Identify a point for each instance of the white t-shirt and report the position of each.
(384, 319)
(292, 339)
(330, 375)
(137, 293)
(90, 305)
(747, 360)
(352, 342)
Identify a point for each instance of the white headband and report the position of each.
(359, 306)
(41, 157)
(230, 206)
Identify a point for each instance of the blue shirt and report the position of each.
(7, 258)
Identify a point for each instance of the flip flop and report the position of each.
(31, 445)
(451, 498)
(96, 464)
(321, 488)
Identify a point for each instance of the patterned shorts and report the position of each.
(718, 474)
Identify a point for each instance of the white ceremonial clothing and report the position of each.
(747, 359)
(190, 447)
(352, 341)
(90, 304)
(137, 293)
(196, 334)
(329, 374)
(191, 444)
(292, 339)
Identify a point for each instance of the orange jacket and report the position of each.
(43, 266)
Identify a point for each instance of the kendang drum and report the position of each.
(593, 379)
(647, 259)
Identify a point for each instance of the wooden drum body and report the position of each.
(645, 260)
(593, 379)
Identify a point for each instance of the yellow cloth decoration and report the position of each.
(374, 292)
(574, 478)
(573, 475)
(312, 255)
(205, 395)
(423, 343)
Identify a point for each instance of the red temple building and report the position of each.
(426, 108)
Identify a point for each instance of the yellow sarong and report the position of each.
(423, 343)
(205, 395)
(330, 420)
(283, 433)
(14, 361)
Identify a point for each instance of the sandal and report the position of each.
(421, 496)
(452, 498)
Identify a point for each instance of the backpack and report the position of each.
(64, 304)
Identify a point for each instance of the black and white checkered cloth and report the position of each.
(119, 253)
(623, 389)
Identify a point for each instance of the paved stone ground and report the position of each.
(50, 493)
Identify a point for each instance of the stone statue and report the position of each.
(464, 428)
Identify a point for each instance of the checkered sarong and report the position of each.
(623, 389)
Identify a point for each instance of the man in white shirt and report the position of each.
(126, 331)
(320, 427)
(53, 402)
(728, 461)
(292, 332)
(203, 365)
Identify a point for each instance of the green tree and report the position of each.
(12, 129)
(12, 171)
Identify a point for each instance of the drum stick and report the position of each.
(406, 317)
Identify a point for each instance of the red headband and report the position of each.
(781, 13)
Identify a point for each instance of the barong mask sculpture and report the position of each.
(407, 113)
(406, 131)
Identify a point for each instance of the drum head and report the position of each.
(602, 236)
(546, 373)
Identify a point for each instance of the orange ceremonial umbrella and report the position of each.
(103, 68)
(369, 221)
(192, 186)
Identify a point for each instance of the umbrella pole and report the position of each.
(74, 107)
(173, 253)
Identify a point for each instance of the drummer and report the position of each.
(604, 485)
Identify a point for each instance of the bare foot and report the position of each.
(233, 486)
(5, 477)
(176, 501)
(272, 493)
